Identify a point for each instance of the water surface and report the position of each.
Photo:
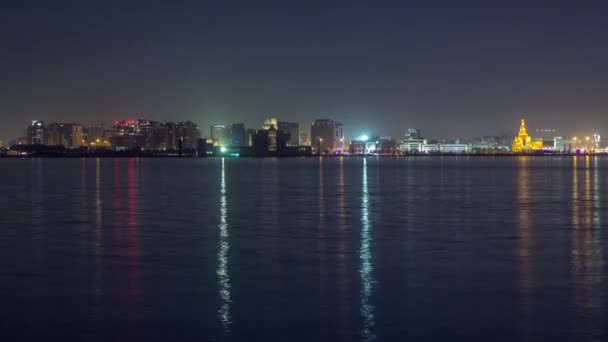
(336, 249)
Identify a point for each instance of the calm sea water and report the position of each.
(304, 249)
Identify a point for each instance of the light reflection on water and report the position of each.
(343, 251)
(524, 253)
(366, 267)
(221, 250)
(587, 265)
(222, 256)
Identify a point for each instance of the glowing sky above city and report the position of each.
(457, 71)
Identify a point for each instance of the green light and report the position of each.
(223, 149)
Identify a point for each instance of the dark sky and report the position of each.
(458, 71)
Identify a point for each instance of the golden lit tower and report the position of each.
(523, 142)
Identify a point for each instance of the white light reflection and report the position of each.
(365, 270)
(222, 257)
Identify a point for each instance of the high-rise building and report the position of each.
(249, 133)
(271, 121)
(172, 140)
(95, 133)
(72, 135)
(36, 133)
(220, 134)
(269, 142)
(131, 134)
(326, 136)
(293, 130)
(339, 138)
(237, 132)
(304, 138)
(66, 134)
(188, 133)
(159, 140)
(53, 135)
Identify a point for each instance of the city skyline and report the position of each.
(449, 71)
(348, 134)
(277, 138)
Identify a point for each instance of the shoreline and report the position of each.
(190, 156)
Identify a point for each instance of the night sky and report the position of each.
(451, 72)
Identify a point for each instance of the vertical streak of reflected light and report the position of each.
(222, 257)
(596, 198)
(596, 222)
(322, 247)
(597, 242)
(526, 281)
(366, 268)
(342, 250)
(586, 254)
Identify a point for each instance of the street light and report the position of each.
(320, 141)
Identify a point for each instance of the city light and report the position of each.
(168, 139)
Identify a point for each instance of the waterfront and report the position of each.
(304, 249)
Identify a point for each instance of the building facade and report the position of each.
(454, 148)
(36, 133)
(188, 133)
(237, 135)
(269, 122)
(269, 142)
(411, 146)
(327, 136)
(220, 133)
(293, 130)
(304, 139)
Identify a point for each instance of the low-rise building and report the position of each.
(429, 148)
(454, 148)
(411, 146)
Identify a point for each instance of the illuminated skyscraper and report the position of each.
(36, 133)
(220, 134)
(271, 121)
(131, 134)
